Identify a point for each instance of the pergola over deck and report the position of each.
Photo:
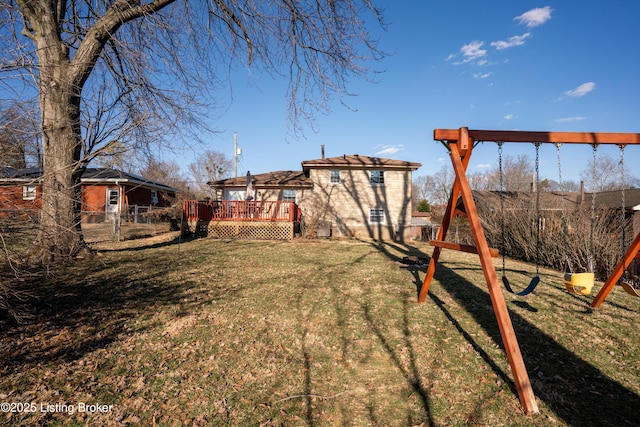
(460, 143)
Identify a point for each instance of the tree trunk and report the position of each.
(60, 234)
(60, 83)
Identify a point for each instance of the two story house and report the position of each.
(350, 195)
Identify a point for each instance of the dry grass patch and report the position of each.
(211, 332)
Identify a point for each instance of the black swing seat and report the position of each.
(526, 291)
(631, 286)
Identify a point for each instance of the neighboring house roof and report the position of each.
(421, 218)
(9, 174)
(613, 199)
(90, 176)
(278, 179)
(357, 161)
(100, 175)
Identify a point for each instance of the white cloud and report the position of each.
(570, 119)
(534, 17)
(472, 51)
(581, 90)
(483, 166)
(509, 117)
(513, 41)
(481, 75)
(388, 149)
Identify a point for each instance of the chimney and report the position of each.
(322, 150)
(534, 184)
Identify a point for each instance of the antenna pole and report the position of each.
(235, 154)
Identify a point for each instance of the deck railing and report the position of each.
(240, 210)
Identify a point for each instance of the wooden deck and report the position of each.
(240, 210)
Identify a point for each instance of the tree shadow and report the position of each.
(142, 244)
(410, 373)
(349, 205)
(80, 308)
(574, 389)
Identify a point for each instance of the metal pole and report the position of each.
(235, 154)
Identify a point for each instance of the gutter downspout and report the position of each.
(119, 212)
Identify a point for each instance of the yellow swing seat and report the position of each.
(579, 283)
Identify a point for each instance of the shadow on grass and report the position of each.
(411, 373)
(143, 244)
(571, 387)
(85, 306)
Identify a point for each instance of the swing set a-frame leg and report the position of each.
(616, 275)
(442, 233)
(460, 151)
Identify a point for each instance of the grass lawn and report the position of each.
(308, 333)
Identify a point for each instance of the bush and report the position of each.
(567, 242)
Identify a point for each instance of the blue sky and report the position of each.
(511, 65)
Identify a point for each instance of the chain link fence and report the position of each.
(132, 223)
(18, 227)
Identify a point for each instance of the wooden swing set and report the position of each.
(460, 143)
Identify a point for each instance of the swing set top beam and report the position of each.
(541, 137)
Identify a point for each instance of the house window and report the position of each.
(154, 197)
(376, 216)
(377, 177)
(335, 176)
(289, 195)
(28, 192)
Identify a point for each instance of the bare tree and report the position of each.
(571, 242)
(420, 188)
(603, 174)
(115, 155)
(92, 65)
(567, 186)
(210, 166)
(166, 172)
(518, 173)
(19, 143)
(481, 181)
(442, 181)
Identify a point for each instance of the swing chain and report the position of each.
(593, 209)
(558, 145)
(502, 227)
(537, 144)
(624, 204)
(565, 229)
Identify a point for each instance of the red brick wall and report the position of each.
(11, 200)
(94, 197)
(135, 195)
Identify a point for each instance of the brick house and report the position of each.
(105, 192)
(350, 195)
